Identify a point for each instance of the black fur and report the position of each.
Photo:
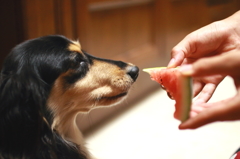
(25, 82)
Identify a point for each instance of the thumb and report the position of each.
(225, 110)
(224, 64)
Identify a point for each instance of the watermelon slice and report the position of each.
(178, 87)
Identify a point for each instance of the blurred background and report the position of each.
(142, 32)
(138, 31)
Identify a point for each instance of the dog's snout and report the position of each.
(133, 72)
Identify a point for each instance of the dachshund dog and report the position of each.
(44, 84)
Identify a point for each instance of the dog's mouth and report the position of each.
(112, 97)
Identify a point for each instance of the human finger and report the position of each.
(219, 111)
(197, 87)
(179, 52)
(204, 87)
(177, 59)
(200, 43)
(224, 64)
(206, 93)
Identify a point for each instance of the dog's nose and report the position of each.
(133, 72)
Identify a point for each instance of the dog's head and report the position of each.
(90, 82)
(51, 77)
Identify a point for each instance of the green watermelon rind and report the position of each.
(186, 85)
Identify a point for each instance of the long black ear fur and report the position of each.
(24, 131)
(21, 120)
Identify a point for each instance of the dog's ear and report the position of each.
(22, 98)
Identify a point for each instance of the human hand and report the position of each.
(214, 39)
(225, 110)
(218, 38)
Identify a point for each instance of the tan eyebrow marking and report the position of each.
(75, 46)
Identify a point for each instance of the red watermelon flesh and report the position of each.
(179, 88)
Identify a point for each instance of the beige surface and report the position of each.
(148, 131)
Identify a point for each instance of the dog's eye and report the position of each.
(83, 64)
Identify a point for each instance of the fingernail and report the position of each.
(184, 125)
(171, 63)
(186, 70)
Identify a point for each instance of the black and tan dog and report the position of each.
(44, 84)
